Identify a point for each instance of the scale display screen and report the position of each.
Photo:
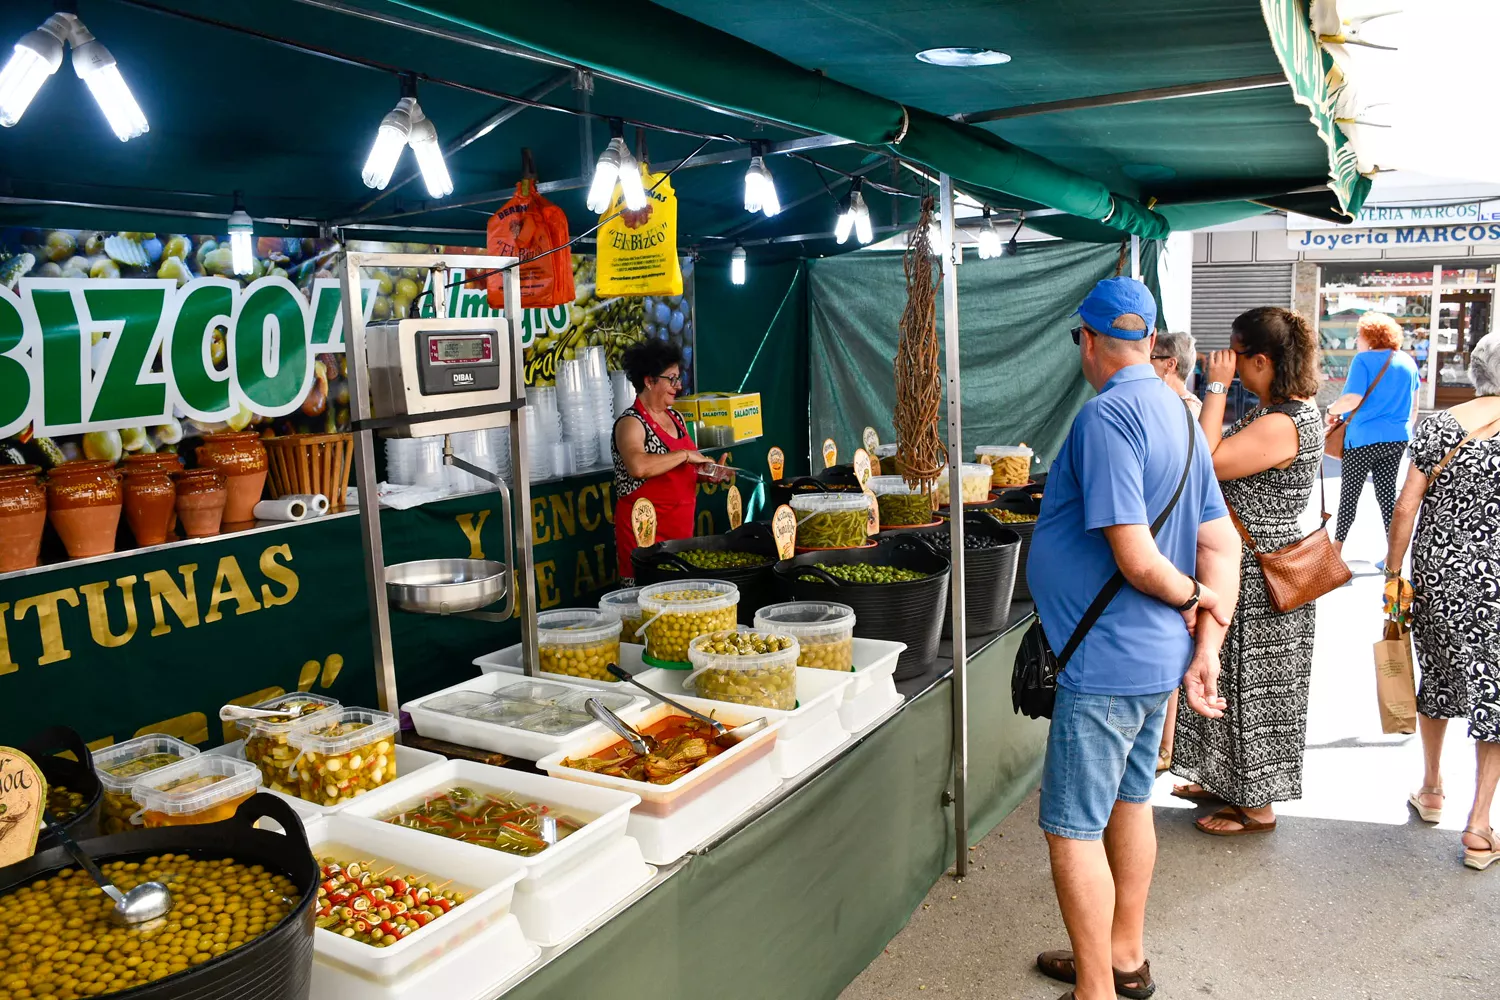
(459, 349)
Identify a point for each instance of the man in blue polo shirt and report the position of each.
(1117, 471)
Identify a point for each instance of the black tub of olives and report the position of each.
(991, 565)
(834, 479)
(898, 590)
(74, 794)
(744, 557)
(272, 964)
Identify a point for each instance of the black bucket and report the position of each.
(834, 479)
(911, 612)
(989, 573)
(1020, 501)
(659, 563)
(76, 775)
(275, 966)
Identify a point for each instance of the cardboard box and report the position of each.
(738, 411)
(688, 407)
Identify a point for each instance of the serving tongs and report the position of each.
(725, 737)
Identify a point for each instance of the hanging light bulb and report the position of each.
(96, 67)
(241, 236)
(989, 238)
(390, 140)
(854, 215)
(616, 166)
(632, 191)
(737, 264)
(423, 140)
(36, 57)
(760, 189)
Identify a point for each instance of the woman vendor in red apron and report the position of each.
(654, 456)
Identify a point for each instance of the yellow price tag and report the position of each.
(643, 522)
(872, 526)
(870, 439)
(830, 453)
(862, 466)
(22, 792)
(776, 459)
(784, 530)
(736, 507)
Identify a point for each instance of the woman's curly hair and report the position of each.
(1288, 340)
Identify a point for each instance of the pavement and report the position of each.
(1351, 896)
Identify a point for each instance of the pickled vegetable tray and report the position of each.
(516, 739)
(410, 762)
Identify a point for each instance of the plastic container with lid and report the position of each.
(578, 642)
(901, 506)
(268, 741)
(676, 613)
(1010, 465)
(974, 481)
(824, 631)
(119, 767)
(831, 520)
(343, 754)
(207, 788)
(764, 679)
(624, 606)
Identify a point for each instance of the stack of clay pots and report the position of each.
(84, 501)
(241, 458)
(23, 514)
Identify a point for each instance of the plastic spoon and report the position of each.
(725, 737)
(146, 901)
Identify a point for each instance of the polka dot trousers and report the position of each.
(1382, 460)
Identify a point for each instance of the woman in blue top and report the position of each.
(1375, 440)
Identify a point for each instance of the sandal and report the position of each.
(1059, 965)
(1238, 815)
(1201, 795)
(1426, 813)
(1163, 761)
(1477, 860)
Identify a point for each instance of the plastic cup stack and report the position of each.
(415, 462)
(624, 392)
(601, 393)
(576, 406)
(500, 449)
(539, 449)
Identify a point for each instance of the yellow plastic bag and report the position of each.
(637, 251)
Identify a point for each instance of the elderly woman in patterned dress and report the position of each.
(1251, 757)
(1455, 483)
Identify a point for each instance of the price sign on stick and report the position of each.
(736, 507)
(776, 459)
(870, 440)
(830, 453)
(643, 522)
(861, 466)
(784, 530)
(872, 526)
(22, 792)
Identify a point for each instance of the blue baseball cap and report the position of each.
(1112, 298)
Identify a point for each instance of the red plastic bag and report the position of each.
(528, 226)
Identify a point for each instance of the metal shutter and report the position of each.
(1223, 291)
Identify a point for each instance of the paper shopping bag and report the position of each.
(1395, 685)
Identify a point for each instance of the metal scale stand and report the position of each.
(423, 377)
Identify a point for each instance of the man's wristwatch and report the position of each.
(1192, 602)
(1216, 387)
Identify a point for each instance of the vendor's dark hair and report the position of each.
(649, 358)
(1288, 340)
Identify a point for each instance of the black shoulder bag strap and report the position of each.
(1117, 581)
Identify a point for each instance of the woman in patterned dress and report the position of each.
(1251, 757)
(1456, 584)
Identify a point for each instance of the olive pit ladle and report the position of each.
(147, 901)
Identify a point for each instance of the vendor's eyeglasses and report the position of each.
(674, 380)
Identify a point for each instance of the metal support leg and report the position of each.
(956, 535)
(1135, 257)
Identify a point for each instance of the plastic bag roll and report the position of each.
(285, 509)
(317, 503)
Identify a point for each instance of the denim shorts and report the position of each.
(1101, 750)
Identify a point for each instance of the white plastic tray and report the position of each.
(860, 711)
(872, 693)
(554, 909)
(410, 762)
(507, 739)
(508, 661)
(808, 733)
(663, 800)
(664, 839)
(488, 881)
(491, 957)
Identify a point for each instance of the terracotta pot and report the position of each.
(159, 461)
(201, 495)
(20, 470)
(242, 459)
(23, 515)
(84, 501)
(150, 504)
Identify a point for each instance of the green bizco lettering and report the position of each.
(208, 302)
(328, 311)
(15, 378)
(271, 393)
(122, 394)
(64, 357)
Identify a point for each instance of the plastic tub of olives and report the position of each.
(678, 612)
(824, 631)
(624, 605)
(745, 667)
(578, 642)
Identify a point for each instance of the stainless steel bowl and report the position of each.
(445, 586)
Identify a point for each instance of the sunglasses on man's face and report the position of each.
(1078, 332)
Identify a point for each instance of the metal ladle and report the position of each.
(147, 901)
(725, 737)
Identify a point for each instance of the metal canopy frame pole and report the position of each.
(1135, 257)
(956, 534)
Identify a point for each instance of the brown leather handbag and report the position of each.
(1333, 441)
(1303, 571)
